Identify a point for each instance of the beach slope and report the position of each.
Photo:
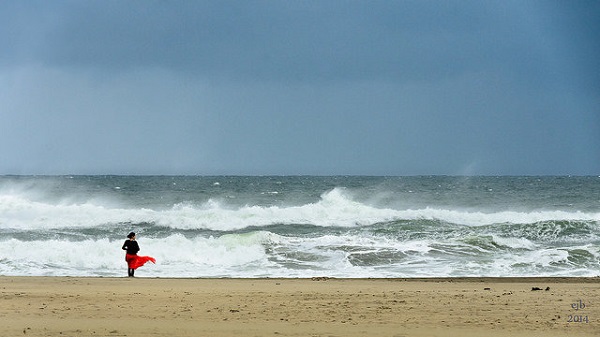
(141, 307)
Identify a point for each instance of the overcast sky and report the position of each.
(300, 87)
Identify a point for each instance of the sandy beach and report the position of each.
(68, 306)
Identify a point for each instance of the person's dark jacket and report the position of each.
(131, 247)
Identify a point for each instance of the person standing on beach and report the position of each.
(134, 261)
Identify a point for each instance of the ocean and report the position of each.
(301, 226)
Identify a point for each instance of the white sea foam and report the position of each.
(334, 209)
(48, 230)
(515, 243)
(265, 254)
(176, 256)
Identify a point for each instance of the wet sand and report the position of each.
(69, 306)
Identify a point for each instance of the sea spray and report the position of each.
(302, 226)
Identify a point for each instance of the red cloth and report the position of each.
(136, 261)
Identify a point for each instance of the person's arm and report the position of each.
(124, 245)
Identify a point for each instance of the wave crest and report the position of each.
(334, 209)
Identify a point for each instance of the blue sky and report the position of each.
(300, 87)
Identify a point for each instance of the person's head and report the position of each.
(131, 235)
